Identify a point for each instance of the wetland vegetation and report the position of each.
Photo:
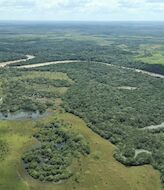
(51, 159)
(91, 105)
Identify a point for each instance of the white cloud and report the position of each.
(155, 1)
(100, 5)
(82, 9)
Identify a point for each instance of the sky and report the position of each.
(82, 10)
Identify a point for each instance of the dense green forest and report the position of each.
(120, 115)
(126, 44)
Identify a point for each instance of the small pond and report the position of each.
(22, 115)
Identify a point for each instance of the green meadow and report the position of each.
(151, 54)
(109, 175)
(156, 58)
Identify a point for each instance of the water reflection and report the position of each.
(22, 115)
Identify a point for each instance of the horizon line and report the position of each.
(80, 20)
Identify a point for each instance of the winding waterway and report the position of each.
(29, 57)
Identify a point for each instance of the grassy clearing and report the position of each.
(156, 58)
(97, 171)
(152, 54)
(49, 75)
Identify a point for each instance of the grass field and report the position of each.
(156, 58)
(151, 54)
(97, 171)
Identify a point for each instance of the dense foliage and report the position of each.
(56, 150)
(116, 43)
(117, 104)
(120, 115)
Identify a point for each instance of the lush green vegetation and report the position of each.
(151, 54)
(23, 92)
(156, 58)
(57, 148)
(116, 103)
(124, 44)
(99, 169)
(118, 114)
